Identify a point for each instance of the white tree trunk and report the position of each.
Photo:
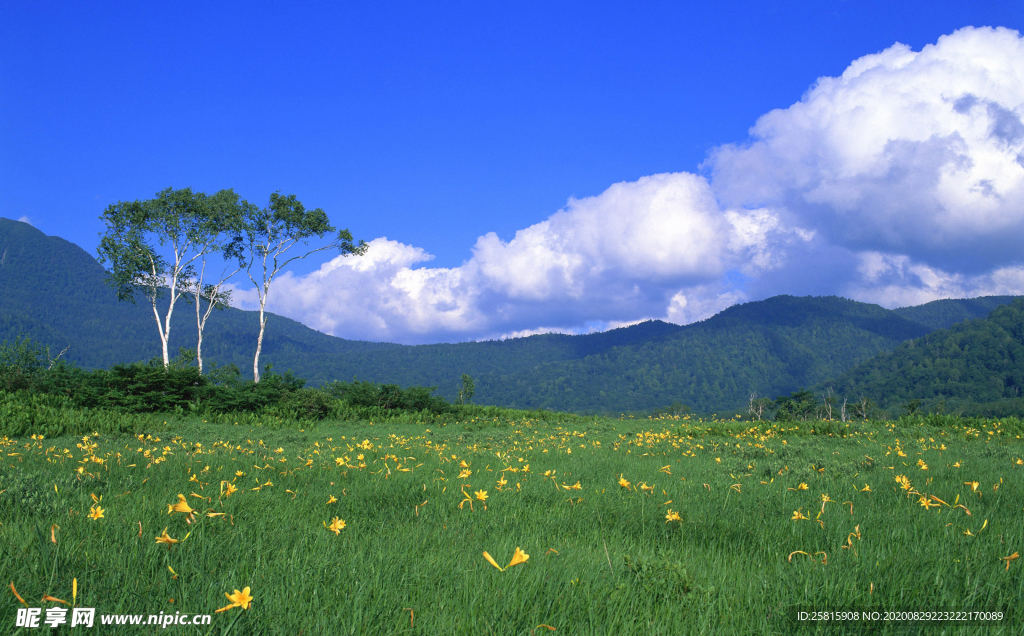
(167, 327)
(259, 340)
(199, 342)
(163, 335)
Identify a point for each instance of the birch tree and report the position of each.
(270, 233)
(221, 234)
(153, 248)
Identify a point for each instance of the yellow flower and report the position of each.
(797, 516)
(182, 506)
(481, 495)
(491, 560)
(337, 525)
(802, 486)
(903, 482)
(238, 599)
(927, 503)
(166, 539)
(624, 482)
(95, 512)
(193, 478)
(331, 500)
(1012, 557)
(973, 484)
(518, 557)
(644, 486)
(464, 474)
(239, 473)
(229, 489)
(866, 488)
(462, 464)
(672, 515)
(922, 465)
(576, 486)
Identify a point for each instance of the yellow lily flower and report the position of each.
(491, 560)
(1012, 557)
(337, 525)
(182, 506)
(517, 558)
(238, 599)
(166, 539)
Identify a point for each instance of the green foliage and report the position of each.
(943, 314)
(466, 389)
(269, 233)
(974, 363)
(21, 363)
(55, 293)
(63, 398)
(799, 405)
(603, 560)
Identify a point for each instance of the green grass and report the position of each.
(603, 559)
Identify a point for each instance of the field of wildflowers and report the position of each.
(652, 526)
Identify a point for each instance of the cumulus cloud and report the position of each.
(898, 182)
(603, 261)
(919, 153)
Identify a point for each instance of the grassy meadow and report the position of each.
(631, 526)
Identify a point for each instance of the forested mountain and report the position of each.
(54, 292)
(976, 364)
(943, 314)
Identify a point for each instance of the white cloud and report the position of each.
(898, 182)
(611, 259)
(698, 303)
(894, 280)
(25, 219)
(913, 152)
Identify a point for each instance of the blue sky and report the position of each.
(434, 126)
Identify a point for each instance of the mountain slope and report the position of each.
(768, 347)
(973, 362)
(54, 292)
(943, 314)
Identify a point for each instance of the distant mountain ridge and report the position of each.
(54, 292)
(975, 365)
